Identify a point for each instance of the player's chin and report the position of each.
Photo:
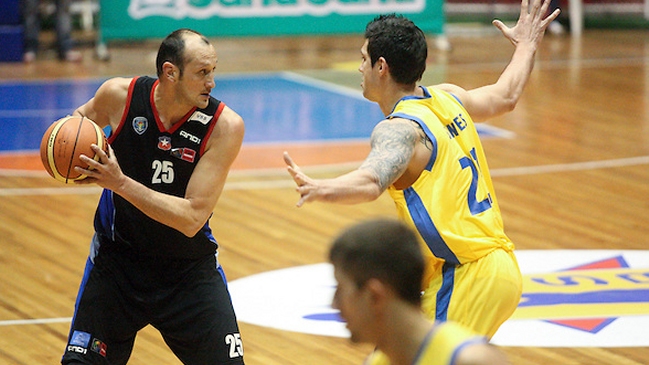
(355, 338)
(203, 101)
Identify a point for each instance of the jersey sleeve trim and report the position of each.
(462, 346)
(429, 134)
(127, 107)
(215, 119)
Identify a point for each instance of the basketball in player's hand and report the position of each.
(64, 141)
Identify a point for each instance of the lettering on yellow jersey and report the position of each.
(458, 125)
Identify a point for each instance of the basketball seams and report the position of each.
(74, 150)
(50, 151)
(59, 157)
(101, 139)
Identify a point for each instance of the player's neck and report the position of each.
(393, 93)
(407, 330)
(170, 108)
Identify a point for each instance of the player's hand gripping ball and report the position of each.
(64, 141)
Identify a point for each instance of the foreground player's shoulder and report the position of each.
(481, 354)
(469, 347)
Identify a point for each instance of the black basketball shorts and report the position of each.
(186, 300)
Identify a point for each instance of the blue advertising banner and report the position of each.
(141, 19)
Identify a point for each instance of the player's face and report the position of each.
(352, 302)
(366, 70)
(197, 80)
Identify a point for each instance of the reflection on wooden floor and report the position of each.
(585, 112)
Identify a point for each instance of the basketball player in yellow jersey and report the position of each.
(378, 265)
(428, 155)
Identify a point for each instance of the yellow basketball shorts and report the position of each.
(480, 295)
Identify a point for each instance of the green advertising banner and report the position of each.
(140, 19)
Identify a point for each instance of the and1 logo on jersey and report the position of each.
(571, 298)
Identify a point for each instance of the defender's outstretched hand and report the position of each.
(305, 185)
(531, 24)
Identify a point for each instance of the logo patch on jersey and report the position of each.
(164, 143)
(98, 347)
(80, 338)
(185, 154)
(140, 125)
(200, 117)
(580, 298)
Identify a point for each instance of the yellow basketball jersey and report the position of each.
(452, 204)
(440, 347)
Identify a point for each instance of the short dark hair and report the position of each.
(172, 49)
(385, 249)
(401, 43)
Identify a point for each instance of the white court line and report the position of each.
(20, 322)
(264, 183)
(577, 166)
(50, 191)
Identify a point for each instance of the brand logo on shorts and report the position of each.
(580, 298)
(98, 347)
(79, 342)
(80, 338)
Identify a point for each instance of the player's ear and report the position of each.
(170, 71)
(382, 66)
(378, 292)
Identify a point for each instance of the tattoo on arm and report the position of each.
(393, 144)
(423, 137)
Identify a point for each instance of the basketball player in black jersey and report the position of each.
(153, 258)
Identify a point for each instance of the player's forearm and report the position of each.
(501, 97)
(172, 211)
(512, 81)
(359, 186)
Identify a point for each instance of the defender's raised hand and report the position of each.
(531, 24)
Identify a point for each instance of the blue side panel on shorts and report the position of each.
(445, 291)
(220, 270)
(86, 274)
(105, 215)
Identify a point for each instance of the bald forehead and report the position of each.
(194, 37)
(198, 47)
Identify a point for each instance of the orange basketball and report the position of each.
(64, 141)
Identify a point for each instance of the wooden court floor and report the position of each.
(573, 176)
